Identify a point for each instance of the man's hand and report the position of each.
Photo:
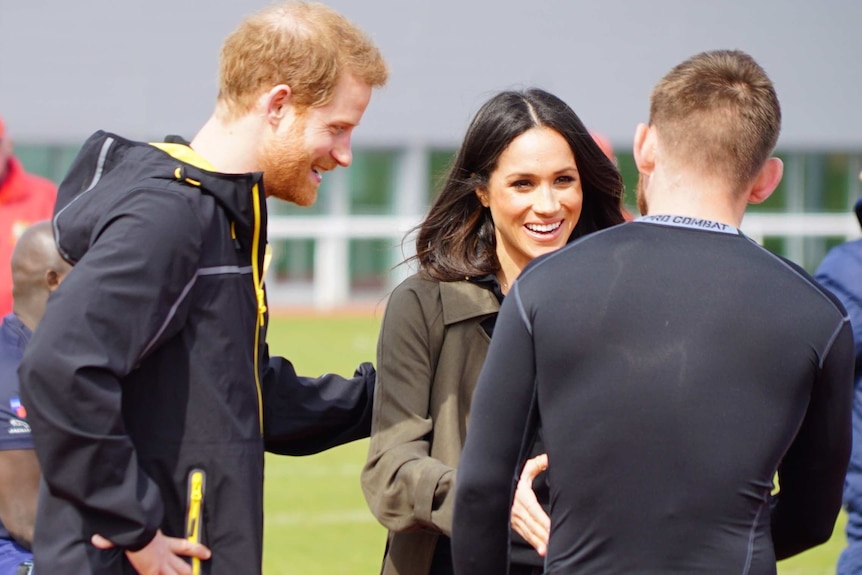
(161, 556)
(529, 520)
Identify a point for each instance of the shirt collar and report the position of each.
(690, 223)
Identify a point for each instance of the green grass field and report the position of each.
(316, 520)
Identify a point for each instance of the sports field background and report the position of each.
(316, 520)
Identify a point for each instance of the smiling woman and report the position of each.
(534, 197)
(527, 179)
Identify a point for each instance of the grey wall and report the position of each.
(146, 68)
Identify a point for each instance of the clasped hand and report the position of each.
(161, 556)
(529, 519)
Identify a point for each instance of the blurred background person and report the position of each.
(37, 269)
(24, 198)
(605, 144)
(841, 273)
(526, 180)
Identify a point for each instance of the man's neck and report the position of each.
(229, 146)
(696, 197)
(27, 317)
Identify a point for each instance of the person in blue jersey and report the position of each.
(841, 273)
(36, 271)
(149, 386)
(673, 364)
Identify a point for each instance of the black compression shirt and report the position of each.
(677, 365)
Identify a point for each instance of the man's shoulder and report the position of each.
(844, 261)
(14, 336)
(840, 274)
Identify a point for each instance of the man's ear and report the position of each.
(277, 103)
(766, 181)
(644, 148)
(52, 278)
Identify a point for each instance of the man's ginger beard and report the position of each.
(286, 167)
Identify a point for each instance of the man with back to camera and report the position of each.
(24, 198)
(667, 413)
(37, 269)
(149, 386)
(841, 273)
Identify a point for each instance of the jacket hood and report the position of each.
(108, 167)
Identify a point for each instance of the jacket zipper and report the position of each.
(260, 296)
(197, 487)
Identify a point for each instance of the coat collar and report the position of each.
(463, 300)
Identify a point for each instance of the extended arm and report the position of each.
(404, 486)
(489, 463)
(304, 415)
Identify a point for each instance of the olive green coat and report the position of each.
(430, 351)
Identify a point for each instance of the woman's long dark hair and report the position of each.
(456, 239)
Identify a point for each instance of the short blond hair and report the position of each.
(718, 110)
(304, 45)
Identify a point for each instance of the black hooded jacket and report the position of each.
(149, 380)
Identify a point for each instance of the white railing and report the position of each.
(759, 226)
(351, 227)
(330, 286)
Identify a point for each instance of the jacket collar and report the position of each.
(465, 300)
(108, 165)
(230, 190)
